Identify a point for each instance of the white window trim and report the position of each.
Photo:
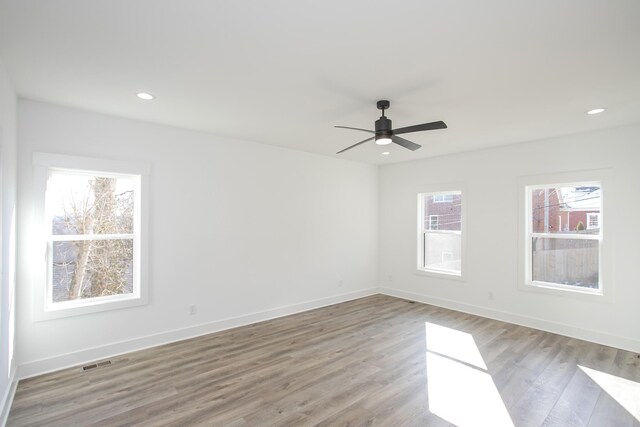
(45, 162)
(603, 177)
(454, 188)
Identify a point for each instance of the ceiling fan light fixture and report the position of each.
(383, 140)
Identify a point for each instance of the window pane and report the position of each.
(89, 204)
(444, 214)
(433, 222)
(566, 261)
(566, 209)
(593, 221)
(443, 251)
(92, 268)
(442, 198)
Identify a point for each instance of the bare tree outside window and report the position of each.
(92, 241)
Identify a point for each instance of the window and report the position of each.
(440, 244)
(593, 220)
(93, 231)
(433, 222)
(564, 236)
(442, 198)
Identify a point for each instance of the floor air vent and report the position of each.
(96, 365)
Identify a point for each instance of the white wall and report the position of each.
(237, 228)
(7, 248)
(490, 180)
(249, 231)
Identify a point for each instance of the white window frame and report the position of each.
(435, 192)
(44, 164)
(600, 177)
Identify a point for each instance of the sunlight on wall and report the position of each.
(623, 391)
(12, 284)
(461, 391)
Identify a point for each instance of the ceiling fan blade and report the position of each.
(418, 128)
(405, 143)
(355, 145)
(347, 127)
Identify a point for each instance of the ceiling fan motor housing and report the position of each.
(383, 126)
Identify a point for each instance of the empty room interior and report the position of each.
(283, 213)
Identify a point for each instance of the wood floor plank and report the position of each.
(581, 394)
(608, 409)
(536, 403)
(363, 362)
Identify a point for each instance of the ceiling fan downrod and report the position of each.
(383, 105)
(383, 124)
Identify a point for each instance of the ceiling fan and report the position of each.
(385, 134)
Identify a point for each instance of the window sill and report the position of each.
(440, 275)
(568, 292)
(88, 307)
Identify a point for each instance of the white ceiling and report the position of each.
(284, 72)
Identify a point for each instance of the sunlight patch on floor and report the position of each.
(454, 344)
(623, 391)
(460, 389)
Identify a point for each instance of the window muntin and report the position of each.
(440, 233)
(562, 251)
(93, 248)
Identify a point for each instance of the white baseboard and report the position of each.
(531, 322)
(7, 398)
(63, 361)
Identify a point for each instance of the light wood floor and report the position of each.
(374, 361)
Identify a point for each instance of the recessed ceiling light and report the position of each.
(596, 111)
(385, 153)
(146, 96)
